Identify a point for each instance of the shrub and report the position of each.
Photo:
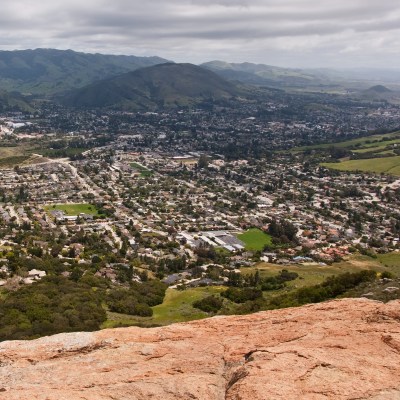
(209, 304)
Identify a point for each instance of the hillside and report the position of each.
(47, 71)
(268, 75)
(162, 86)
(378, 93)
(13, 102)
(344, 349)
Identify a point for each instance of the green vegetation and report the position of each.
(331, 288)
(12, 161)
(178, 85)
(137, 299)
(74, 209)
(241, 295)
(46, 71)
(387, 165)
(279, 281)
(255, 239)
(61, 153)
(50, 306)
(210, 304)
(313, 273)
(144, 172)
(358, 143)
(176, 307)
(391, 261)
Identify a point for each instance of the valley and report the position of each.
(170, 194)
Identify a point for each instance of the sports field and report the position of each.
(74, 209)
(255, 239)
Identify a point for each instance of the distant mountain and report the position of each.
(267, 75)
(379, 89)
(162, 86)
(315, 79)
(48, 71)
(378, 93)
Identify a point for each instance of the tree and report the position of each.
(203, 162)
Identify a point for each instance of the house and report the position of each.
(36, 274)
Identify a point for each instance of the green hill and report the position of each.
(162, 86)
(13, 102)
(48, 71)
(261, 74)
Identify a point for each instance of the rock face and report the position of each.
(346, 349)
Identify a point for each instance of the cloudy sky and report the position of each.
(296, 33)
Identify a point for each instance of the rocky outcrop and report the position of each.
(347, 349)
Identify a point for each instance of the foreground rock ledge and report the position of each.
(347, 349)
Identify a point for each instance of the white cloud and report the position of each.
(285, 32)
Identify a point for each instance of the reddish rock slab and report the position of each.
(344, 349)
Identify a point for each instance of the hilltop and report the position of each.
(166, 85)
(338, 350)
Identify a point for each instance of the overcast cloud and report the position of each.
(295, 33)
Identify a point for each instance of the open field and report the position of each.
(60, 153)
(380, 141)
(74, 209)
(391, 261)
(177, 307)
(255, 239)
(386, 165)
(314, 273)
(9, 162)
(144, 172)
(377, 148)
(21, 154)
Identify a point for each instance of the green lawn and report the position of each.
(387, 165)
(144, 172)
(255, 239)
(74, 209)
(177, 307)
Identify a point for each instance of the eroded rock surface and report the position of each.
(347, 349)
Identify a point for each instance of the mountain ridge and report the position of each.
(48, 71)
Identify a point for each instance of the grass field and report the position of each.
(314, 273)
(359, 143)
(387, 165)
(391, 261)
(144, 172)
(255, 239)
(376, 147)
(74, 209)
(12, 161)
(177, 307)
